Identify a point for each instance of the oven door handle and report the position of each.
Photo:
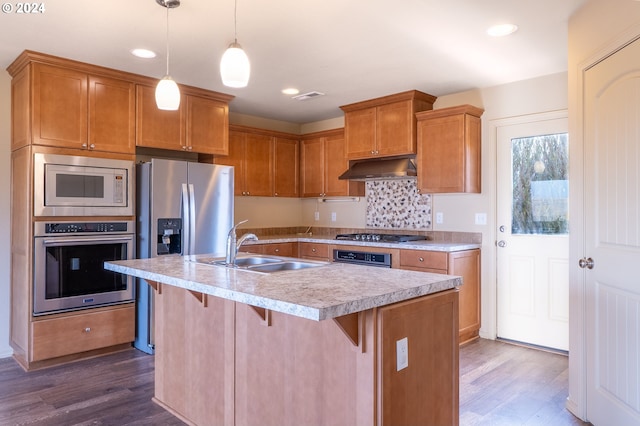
(67, 241)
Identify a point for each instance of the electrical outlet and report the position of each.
(481, 218)
(402, 354)
(439, 217)
(316, 215)
(334, 217)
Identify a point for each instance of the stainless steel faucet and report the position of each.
(233, 246)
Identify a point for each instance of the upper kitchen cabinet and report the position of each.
(384, 127)
(67, 104)
(449, 150)
(286, 165)
(251, 155)
(200, 124)
(322, 160)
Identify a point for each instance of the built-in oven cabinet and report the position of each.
(83, 331)
(57, 103)
(314, 251)
(462, 263)
(273, 249)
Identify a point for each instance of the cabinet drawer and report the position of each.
(61, 336)
(423, 259)
(281, 249)
(314, 251)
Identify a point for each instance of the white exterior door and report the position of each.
(533, 244)
(612, 238)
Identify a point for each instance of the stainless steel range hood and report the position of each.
(384, 168)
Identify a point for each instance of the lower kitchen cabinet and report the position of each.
(273, 249)
(314, 251)
(55, 336)
(462, 263)
(227, 363)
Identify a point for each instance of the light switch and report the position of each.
(316, 215)
(402, 354)
(481, 218)
(334, 217)
(439, 217)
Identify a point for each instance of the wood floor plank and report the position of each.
(500, 384)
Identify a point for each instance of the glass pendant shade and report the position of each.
(167, 94)
(234, 67)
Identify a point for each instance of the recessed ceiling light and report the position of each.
(290, 91)
(502, 30)
(143, 53)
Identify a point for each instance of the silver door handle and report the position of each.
(501, 228)
(502, 243)
(586, 263)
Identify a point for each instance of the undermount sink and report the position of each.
(264, 264)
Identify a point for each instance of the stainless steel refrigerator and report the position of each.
(183, 208)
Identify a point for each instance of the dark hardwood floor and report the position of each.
(500, 384)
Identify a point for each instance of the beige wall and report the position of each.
(5, 250)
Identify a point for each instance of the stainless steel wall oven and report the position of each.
(68, 264)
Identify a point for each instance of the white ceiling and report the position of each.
(351, 50)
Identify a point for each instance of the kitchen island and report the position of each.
(334, 344)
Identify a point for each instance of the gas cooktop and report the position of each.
(383, 238)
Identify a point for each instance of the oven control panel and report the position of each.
(57, 228)
(362, 258)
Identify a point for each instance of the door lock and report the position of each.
(586, 263)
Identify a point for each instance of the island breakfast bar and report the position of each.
(335, 344)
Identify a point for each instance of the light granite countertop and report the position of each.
(318, 293)
(411, 245)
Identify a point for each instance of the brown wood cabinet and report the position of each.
(58, 105)
(220, 362)
(463, 263)
(449, 150)
(266, 162)
(384, 127)
(200, 124)
(322, 160)
(314, 251)
(273, 249)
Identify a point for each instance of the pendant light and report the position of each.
(167, 92)
(234, 66)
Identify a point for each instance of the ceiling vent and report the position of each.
(308, 95)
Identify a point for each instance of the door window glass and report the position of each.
(540, 182)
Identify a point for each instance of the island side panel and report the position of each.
(194, 356)
(426, 392)
(298, 371)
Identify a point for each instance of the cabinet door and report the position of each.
(59, 107)
(334, 165)
(395, 133)
(312, 167)
(111, 115)
(449, 154)
(235, 158)
(207, 125)
(360, 132)
(467, 265)
(157, 128)
(259, 165)
(285, 169)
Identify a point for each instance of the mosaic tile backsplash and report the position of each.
(396, 204)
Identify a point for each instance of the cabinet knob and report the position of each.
(87, 330)
(92, 146)
(313, 250)
(421, 259)
(275, 193)
(84, 145)
(189, 148)
(277, 250)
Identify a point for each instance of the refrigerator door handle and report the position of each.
(192, 220)
(186, 220)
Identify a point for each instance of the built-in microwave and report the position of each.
(70, 185)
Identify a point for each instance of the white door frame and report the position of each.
(576, 402)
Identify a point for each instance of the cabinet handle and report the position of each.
(376, 152)
(189, 148)
(421, 259)
(313, 250)
(84, 145)
(277, 250)
(276, 194)
(87, 330)
(92, 146)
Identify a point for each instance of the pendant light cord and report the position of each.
(235, 21)
(167, 7)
